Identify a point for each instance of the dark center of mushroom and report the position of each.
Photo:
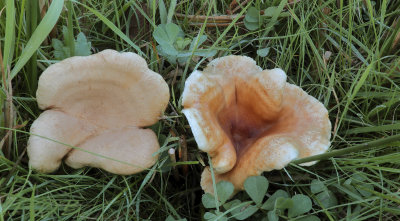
(244, 126)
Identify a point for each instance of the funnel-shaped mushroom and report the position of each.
(99, 103)
(251, 120)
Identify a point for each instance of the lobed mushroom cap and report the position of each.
(251, 120)
(98, 103)
(117, 85)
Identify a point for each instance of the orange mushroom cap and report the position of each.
(251, 120)
(98, 103)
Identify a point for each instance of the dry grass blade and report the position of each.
(212, 21)
(8, 107)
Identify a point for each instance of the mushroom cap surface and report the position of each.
(99, 104)
(251, 120)
(113, 84)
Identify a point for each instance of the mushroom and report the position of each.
(251, 120)
(99, 104)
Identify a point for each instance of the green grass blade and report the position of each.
(9, 36)
(374, 129)
(163, 11)
(71, 39)
(32, 205)
(171, 11)
(348, 150)
(38, 36)
(357, 86)
(115, 29)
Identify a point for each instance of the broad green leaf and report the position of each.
(256, 187)
(327, 199)
(167, 51)
(252, 20)
(181, 43)
(167, 33)
(197, 43)
(163, 11)
(82, 45)
(59, 52)
(253, 15)
(367, 186)
(272, 216)
(349, 184)
(224, 191)
(252, 25)
(182, 60)
(246, 212)
(208, 201)
(357, 178)
(301, 205)
(270, 11)
(170, 53)
(161, 36)
(263, 52)
(199, 52)
(205, 53)
(231, 204)
(209, 216)
(359, 183)
(217, 216)
(270, 203)
(275, 15)
(38, 36)
(317, 186)
(309, 218)
(241, 212)
(170, 218)
(283, 203)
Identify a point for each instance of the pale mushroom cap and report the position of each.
(98, 104)
(117, 145)
(250, 120)
(45, 155)
(113, 84)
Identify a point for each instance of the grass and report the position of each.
(358, 83)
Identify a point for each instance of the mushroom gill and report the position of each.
(251, 120)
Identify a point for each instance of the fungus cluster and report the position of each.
(251, 120)
(247, 119)
(99, 104)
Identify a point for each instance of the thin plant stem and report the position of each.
(70, 40)
(344, 151)
(33, 62)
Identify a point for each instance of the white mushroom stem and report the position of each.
(171, 153)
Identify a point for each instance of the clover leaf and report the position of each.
(81, 46)
(256, 187)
